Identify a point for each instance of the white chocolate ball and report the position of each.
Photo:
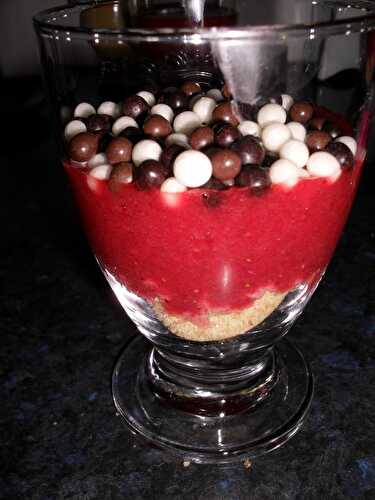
(323, 164)
(284, 172)
(146, 150)
(287, 101)
(84, 110)
(172, 185)
(148, 97)
(186, 122)
(101, 172)
(271, 113)
(179, 139)
(348, 141)
(274, 136)
(215, 94)
(74, 128)
(163, 110)
(122, 123)
(297, 130)
(192, 168)
(98, 159)
(204, 107)
(296, 152)
(247, 127)
(109, 108)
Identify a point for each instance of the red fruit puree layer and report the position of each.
(199, 258)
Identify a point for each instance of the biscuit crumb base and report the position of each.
(220, 326)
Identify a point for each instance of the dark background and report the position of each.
(62, 330)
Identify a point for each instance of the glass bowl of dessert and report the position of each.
(214, 152)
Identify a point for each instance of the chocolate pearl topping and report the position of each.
(177, 101)
(210, 150)
(202, 137)
(119, 149)
(169, 155)
(226, 164)
(190, 88)
(134, 134)
(332, 129)
(250, 150)
(166, 92)
(194, 99)
(224, 113)
(342, 154)
(227, 135)
(269, 160)
(301, 112)
(122, 173)
(157, 126)
(255, 177)
(135, 107)
(316, 123)
(83, 146)
(214, 183)
(99, 123)
(150, 174)
(317, 140)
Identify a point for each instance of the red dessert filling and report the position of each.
(207, 250)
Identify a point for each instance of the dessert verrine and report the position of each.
(209, 211)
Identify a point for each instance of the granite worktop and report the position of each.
(62, 330)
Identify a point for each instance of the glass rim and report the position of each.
(44, 23)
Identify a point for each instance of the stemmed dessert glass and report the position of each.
(214, 166)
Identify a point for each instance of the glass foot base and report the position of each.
(221, 438)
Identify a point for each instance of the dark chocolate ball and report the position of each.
(135, 106)
(157, 126)
(332, 129)
(210, 150)
(166, 93)
(150, 174)
(99, 123)
(83, 146)
(119, 149)
(317, 140)
(134, 134)
(177, 101)
(269, 160)
(224, 113)
(316, 123)
(169, 155)
(202, 137)
(104, 139)
(342, 154)
(190, 88)
(226, 164)
(214, 183)
(254, 177)
(250, 150)
(301, 112)
(226, 136)
(122, 173)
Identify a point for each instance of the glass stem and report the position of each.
(211, 387)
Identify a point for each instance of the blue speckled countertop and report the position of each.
(62, 329)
